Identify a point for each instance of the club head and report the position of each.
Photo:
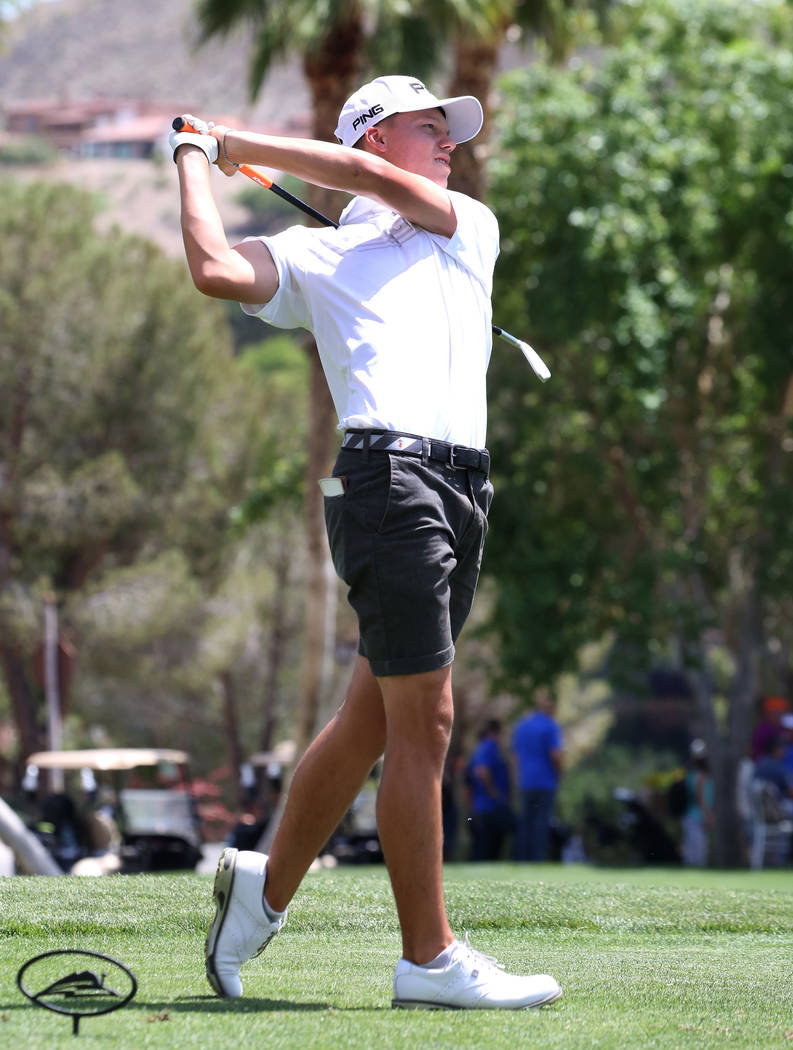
(539, 367)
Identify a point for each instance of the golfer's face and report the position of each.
(420, 142)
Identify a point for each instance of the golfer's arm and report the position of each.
(336, 167)
(246, 273)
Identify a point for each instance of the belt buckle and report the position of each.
(452, 464)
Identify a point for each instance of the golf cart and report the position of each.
(135, 811)
(355, 840)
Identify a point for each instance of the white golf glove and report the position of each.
(206, 142)
(202, 127)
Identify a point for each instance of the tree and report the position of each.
(648, 489)
(122, 441)
(555, 27)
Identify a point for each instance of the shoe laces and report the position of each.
(488, 962)
(276, 928)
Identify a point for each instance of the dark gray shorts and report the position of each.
(407, 537)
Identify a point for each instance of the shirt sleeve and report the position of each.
(288, 308)
(474, 243)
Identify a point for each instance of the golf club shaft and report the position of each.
(539, 367)
(180, 124)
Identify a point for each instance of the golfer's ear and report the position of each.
(374, 140)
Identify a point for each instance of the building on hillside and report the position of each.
(134, 139)
(125, 128)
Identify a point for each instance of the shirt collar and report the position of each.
(361, 209)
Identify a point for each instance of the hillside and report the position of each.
(79, 49)
(145, 49)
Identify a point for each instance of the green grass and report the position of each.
(670, 959)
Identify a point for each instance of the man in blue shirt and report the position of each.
(771, 767)
(489, 780)
(537, 743)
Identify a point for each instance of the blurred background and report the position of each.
(164, 577)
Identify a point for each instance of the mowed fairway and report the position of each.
(668, 959)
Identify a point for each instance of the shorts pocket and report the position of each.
(483, 495)
(368, 490)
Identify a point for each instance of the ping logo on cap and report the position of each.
(367, 115)
(417, 86)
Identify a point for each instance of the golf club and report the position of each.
(539, 367)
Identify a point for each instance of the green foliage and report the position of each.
(589, 787)
(27, 149)
(111, 365)
(647, 235)
(268, 209)
(127, 434)
(280, 473)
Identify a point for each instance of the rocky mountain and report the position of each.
(141, 49)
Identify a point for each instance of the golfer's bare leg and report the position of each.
(325, 783)
(419, 714)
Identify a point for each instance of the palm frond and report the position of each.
(405, 44)
(221, 17)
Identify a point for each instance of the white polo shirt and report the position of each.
(401, 317)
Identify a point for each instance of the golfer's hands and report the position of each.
(199, 134)
(209, 137)
(196, 124)
(226, 166)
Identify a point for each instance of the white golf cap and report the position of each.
(387, 95)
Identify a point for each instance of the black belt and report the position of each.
(458, 456)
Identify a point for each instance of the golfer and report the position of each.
(398, 300)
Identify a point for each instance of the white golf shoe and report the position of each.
(469, 981)
(240, 929)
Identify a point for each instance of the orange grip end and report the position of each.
(180, 124)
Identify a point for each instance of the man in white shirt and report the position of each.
(398, 299)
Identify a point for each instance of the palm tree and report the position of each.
(556, 24)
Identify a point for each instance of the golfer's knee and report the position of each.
(425, 736)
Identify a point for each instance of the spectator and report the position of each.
(537, 743)
(777, 801)
(787, 738)
(769, 726)
(698, 818)
(771, 768)
(491, 812)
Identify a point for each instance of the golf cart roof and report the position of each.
(107, 758)
(283, 754)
